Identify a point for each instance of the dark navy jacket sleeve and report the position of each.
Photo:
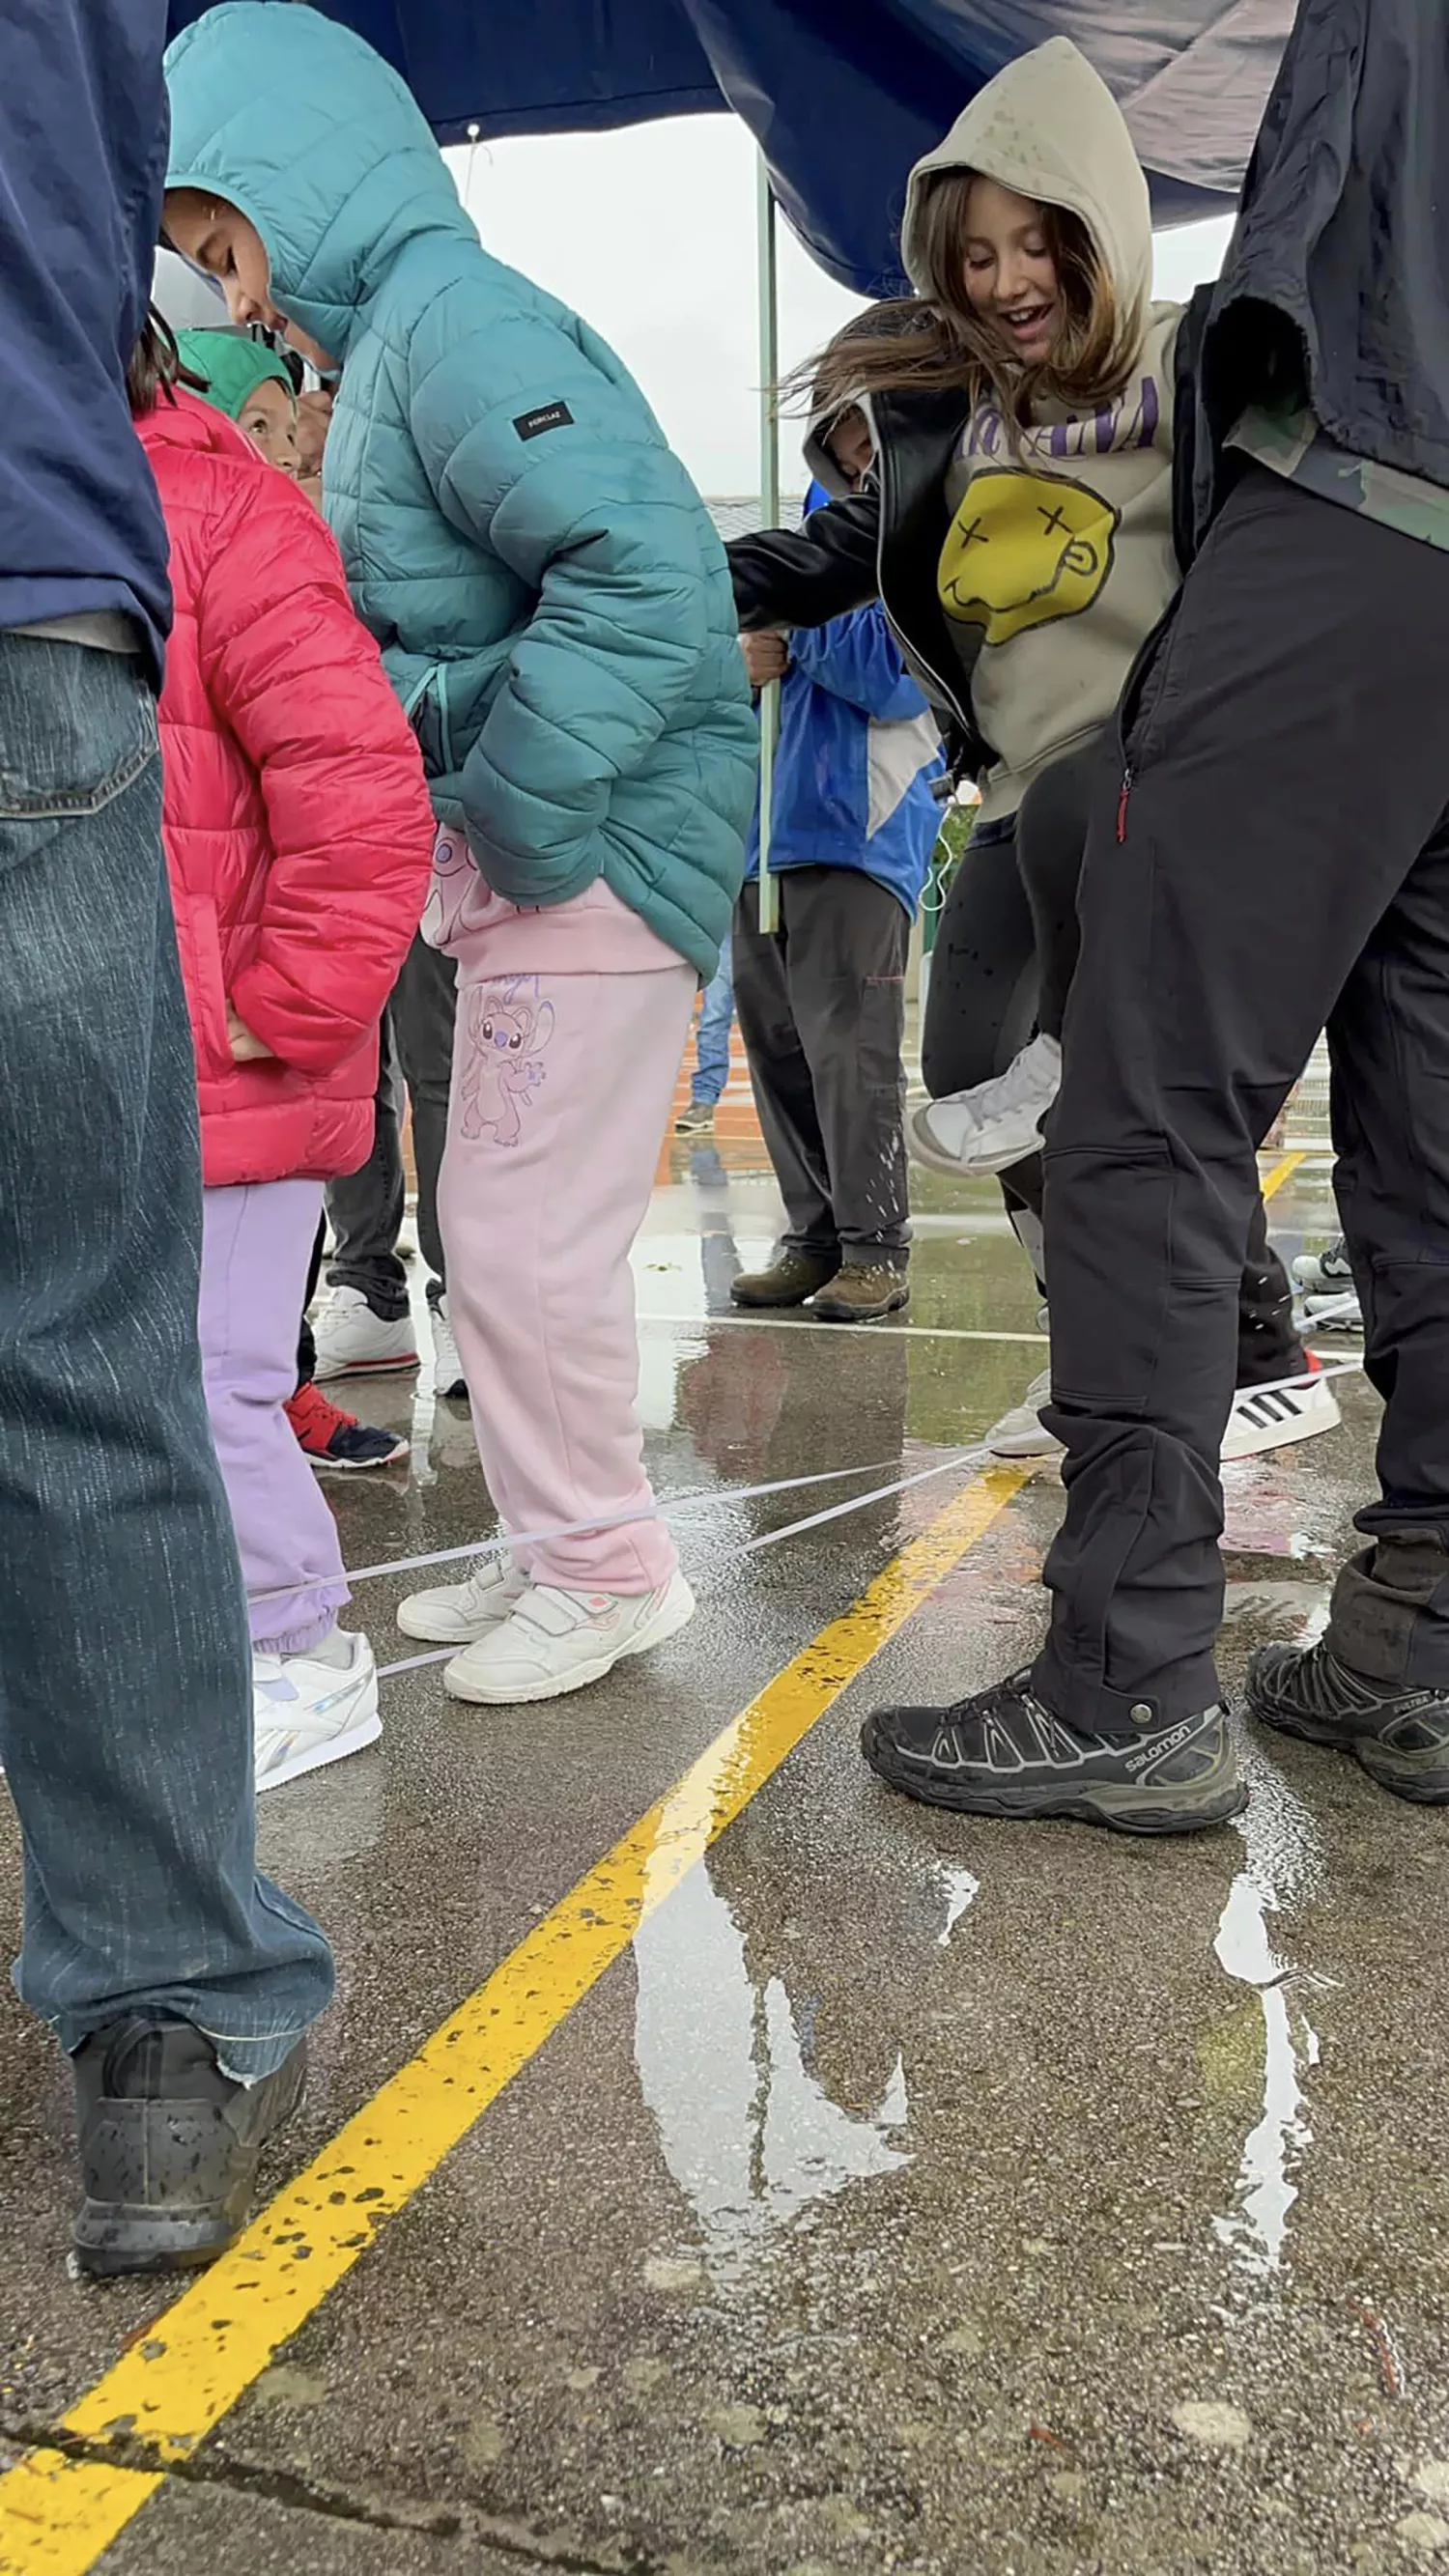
(83, 130)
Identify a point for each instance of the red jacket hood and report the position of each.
(183, 420)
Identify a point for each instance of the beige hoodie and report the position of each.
(1060, 556)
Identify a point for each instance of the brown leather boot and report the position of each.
(790, 1279)
(863, 1292)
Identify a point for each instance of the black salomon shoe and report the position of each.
(1003, 1754)
(168, 2145)
(1401, 1737)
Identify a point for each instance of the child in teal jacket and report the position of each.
(556, 614)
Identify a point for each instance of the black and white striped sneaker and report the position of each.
(1004, 1754)
(1274, 1417)
(1401, 1737)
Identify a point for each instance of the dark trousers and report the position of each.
(1282, 862)
(822, 1013)
(981, 1001)
(1051, 840)
(1020, 895)
(366, 1210)
(306, 1339)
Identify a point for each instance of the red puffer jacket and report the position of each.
(297, 824)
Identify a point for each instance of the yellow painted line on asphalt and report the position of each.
(58, 2514)
(1281, 1173)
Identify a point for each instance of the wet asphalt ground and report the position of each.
(909, 2193)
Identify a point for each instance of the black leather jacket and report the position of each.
(885, 542)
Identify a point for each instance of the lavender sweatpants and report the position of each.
(255, 1248)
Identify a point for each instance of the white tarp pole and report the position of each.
(769, 319)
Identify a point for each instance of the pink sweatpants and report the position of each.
(562, 1088)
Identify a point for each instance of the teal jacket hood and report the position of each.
(319, 143)
(551, 599)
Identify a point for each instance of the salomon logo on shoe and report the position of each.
(1176, 1738)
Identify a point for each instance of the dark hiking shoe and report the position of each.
(696, 1120)
(862, 1292)
(1401, 1737)
(168, 2145)
(1003, 1754)
(787, 1282)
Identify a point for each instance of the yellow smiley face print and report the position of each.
(1024, 549)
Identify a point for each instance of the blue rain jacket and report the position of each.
(858, 750)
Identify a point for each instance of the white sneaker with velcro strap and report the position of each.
(561, 1641)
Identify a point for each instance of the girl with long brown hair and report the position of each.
(1019, 531)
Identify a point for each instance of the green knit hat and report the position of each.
(232, 366)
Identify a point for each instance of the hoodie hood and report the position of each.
(1049, 127)
(827, 483)
(823, 415)
(188, 420)
(312, 136)
(231, 366)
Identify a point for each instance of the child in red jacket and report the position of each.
(298, 841)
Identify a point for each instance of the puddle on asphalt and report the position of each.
(961, 1891)
(1282, 1863)
(747, 2130)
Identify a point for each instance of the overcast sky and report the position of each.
(650, 234)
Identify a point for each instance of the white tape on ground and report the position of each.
(705, 1499)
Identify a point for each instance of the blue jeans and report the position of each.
(712, 1037)
(125, 1670)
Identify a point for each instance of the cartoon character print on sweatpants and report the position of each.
(1024, 549)
(507, 1029)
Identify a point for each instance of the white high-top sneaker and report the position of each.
(561, 1641)
(452, 1614)
(997, 1124)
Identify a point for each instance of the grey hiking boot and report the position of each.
(1004, 1754)
(790, 1279)
(696, 1120)
(1399, 1736)
(862, 1292)
(168, 2145)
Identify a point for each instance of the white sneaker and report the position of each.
(1261, 1419)
(1021, 1433)
(997, 1124)
(309, 1711)
(452, 1614)
(1275, 1417)
(353, 1342)
(561, 1641)
(448, 1378)
(1338, 1313)
(1328, 1273)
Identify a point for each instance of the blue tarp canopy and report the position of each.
(842, 95)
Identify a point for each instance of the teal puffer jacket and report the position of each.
(551, 598)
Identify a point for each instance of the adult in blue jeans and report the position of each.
(711, 1050)
(179, 1982)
